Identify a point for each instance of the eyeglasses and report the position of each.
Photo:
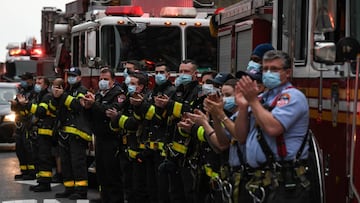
(272, 68)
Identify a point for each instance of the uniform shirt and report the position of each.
(234, 159)
(292, 111)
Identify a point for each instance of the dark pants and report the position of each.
(73, 160)
(45, 159)
(24, 151)
(282, 195)
(108, 169)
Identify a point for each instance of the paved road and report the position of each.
(11, 190)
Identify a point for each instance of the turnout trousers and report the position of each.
(73, 162)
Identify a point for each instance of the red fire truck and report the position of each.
(111, 33)
(321, 38)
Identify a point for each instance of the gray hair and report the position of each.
(276, 54)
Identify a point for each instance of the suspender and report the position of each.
(280, 141)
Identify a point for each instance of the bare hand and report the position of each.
(136, 100)
(161, 101)
(88, 100)
(112, 113)
(214, 107)
(198, 117)
(22, 99)
(248, 88)
(185, 125)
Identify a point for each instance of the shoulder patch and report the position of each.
(283, 100)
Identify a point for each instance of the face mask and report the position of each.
(104, 85)
(71, 80)
(229, 103)
(183, 79)
(207, 89)
(127, 80)
(271, 80)
(252, 65)
(37, 88)
(126, 74)
(131, 89)
(160, 79)
(23, 84)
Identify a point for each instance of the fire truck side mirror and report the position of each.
(324, 52)
(94, 62)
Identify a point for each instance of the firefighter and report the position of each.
(180, 145)
(74, 137)
(274, 127)
(45, 113)
(108, 169)
(24, 150)
(134, 136)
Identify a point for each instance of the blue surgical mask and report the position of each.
(127, 80)
(252, 65)
(126, 74)
(160, 79)
(104, 85)
(23, 84)
(271, 79)
(183, 79)
(229, 103)
(207, 89)
(131, 89)
(37, 88)
(71, 80)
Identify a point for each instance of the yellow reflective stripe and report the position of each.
(52, 107)
(177, 109)
(46, 174)
(80, 95)
(137, 117)
(22, 113)
(184, 134)
(179, 147)
(200, 134)
(82, 183)
(112, 128)
(23, 167)
(164, 114)
(31, 167)
(132, 153)
(45, 105)
(70, 183)
(68, 101)
(209, 172)
(142, 146)
(33, 108)
(122, 121)
(150, 113)
(75, 131)
(44, 131)
(156, 145)
(158, 116)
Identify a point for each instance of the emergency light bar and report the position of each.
(134, 11)
(36, 52)
(18, 52)
(175, 12)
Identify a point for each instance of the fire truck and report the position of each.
(321, 36)
(109, 33)
(19, 59)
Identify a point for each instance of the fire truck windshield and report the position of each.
(157, 43)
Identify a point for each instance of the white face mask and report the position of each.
(104, 85)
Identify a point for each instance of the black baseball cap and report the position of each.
(253, 74)
(74, 71)
(221, 78)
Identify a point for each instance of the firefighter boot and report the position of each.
(41, 187)
(68, 191)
